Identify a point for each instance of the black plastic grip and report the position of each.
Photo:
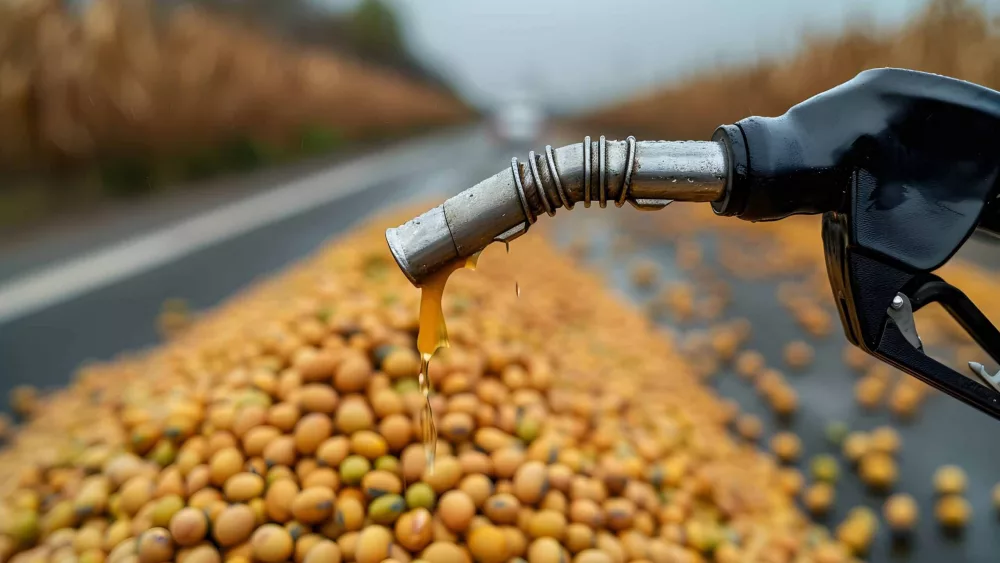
(912, 157)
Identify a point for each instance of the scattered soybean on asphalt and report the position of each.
(944, 432)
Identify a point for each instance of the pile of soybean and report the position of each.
(284, 426)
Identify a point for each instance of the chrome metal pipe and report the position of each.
(646, 174)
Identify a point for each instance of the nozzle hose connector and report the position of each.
(647, 174)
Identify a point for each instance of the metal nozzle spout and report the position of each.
(647, 174)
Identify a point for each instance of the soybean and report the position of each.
(279, 498)
(502, 508)
(456, 510)
(188, 526)
(325, 551)
(224, 464)
(373, 545)
(488, 544)
(310, 431)
(952, 511)
(900, 512)
(354, 415)
(353, 469)
(478, 487)
(444, 552)
(312, 505)
(243, 486)
(420, 495)
(949, 480)
(271, 544)
(386, 509)
(414, 529)
(155, 546)
(546, 550)
(233, 525)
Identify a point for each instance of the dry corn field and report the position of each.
(951, 37)
(116, 79)
(284, 426)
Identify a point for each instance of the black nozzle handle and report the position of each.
(913, 158)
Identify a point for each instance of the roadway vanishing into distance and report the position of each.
(96, 290)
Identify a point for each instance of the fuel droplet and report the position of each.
(517, 288)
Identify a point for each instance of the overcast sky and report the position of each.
(576, 53)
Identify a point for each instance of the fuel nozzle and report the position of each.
(903, 165)
(646, 174)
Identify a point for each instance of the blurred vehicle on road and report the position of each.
(519, 119)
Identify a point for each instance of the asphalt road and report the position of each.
(44, 346)
(946, 431)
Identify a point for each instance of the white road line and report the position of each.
(61, 281)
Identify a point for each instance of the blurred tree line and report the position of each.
(370, 32)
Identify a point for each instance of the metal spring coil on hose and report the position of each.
(588, 148)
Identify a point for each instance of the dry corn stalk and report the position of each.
(951, 37)
(111, 79)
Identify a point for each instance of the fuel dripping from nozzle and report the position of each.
(879, 156)
(431, 336)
